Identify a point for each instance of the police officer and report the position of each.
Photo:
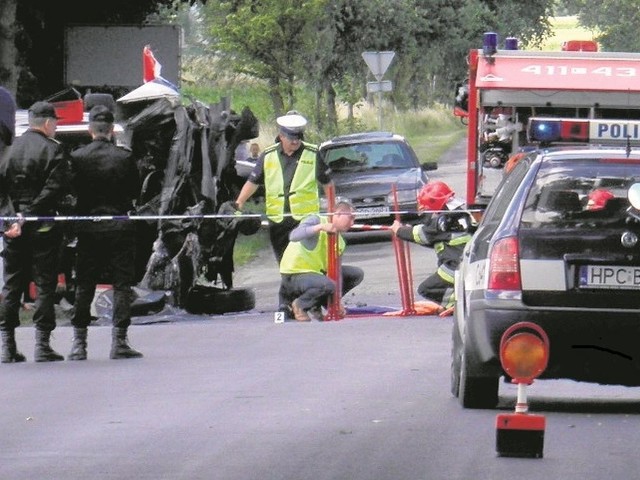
(106, 182)
(35, 173)
(446, 229)
(290, 172)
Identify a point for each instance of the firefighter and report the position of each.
(445, 228)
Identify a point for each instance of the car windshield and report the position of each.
(586, 192)
(368, 156)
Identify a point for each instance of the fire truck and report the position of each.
(514, 100)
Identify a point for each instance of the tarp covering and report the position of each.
(185, 155)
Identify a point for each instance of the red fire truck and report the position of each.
(597, 94)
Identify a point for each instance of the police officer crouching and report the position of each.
(106, 182)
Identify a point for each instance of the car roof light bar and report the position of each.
(571, 130)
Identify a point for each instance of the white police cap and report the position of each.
(292, 124)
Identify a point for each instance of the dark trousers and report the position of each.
(313, 289)
(31, 256)
(436, 289)
(100, 252)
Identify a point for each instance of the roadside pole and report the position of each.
(378, 62)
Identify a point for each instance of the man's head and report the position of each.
(254, 149)
(291, 131)
(343, 217)
(101, 121)
(42, 117)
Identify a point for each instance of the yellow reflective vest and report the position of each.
(299, 259)
(303, 193)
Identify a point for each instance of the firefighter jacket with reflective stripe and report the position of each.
(448, 245)
(299, 259)
(303, 191)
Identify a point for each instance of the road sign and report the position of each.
(378, 62)
(383, 86)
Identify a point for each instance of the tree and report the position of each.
(616, 22)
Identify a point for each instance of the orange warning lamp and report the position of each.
(524, 354)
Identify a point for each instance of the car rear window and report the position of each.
(364, 156)
(580, 192)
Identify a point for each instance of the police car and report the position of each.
(557, 246)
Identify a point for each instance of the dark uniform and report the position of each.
(448, 237)
(105, 180)
(34, 173)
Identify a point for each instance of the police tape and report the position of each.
(238, 216)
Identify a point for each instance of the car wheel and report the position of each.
(212, 300)
(456, 359)
(476, 392)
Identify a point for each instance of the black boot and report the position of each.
(120, 346)
(79, 346)
(10, 353)
(44, 352)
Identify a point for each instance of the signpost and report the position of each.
(378, 62)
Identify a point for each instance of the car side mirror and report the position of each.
(429, 166)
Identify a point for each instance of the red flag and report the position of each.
(150, 66)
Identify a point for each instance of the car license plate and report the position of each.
(609, 276)
(372, 212)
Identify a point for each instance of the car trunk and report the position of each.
(599, 272)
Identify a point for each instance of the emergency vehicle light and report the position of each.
(489, 45)
(511, 43)
(551, 130)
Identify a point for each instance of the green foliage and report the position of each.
(615, 20)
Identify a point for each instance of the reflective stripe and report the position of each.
(460, 240)
(416, 233)
(446, 273)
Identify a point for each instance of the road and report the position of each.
(239, 397)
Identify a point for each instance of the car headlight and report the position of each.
(404, 196)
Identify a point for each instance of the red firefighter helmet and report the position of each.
(434, 195)
(598, 199)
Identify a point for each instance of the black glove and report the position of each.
(229, 208)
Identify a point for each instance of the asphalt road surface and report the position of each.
(241, 397)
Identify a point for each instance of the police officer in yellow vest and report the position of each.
(305, 261)
(291, 173)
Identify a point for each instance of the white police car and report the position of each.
(558, 246)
